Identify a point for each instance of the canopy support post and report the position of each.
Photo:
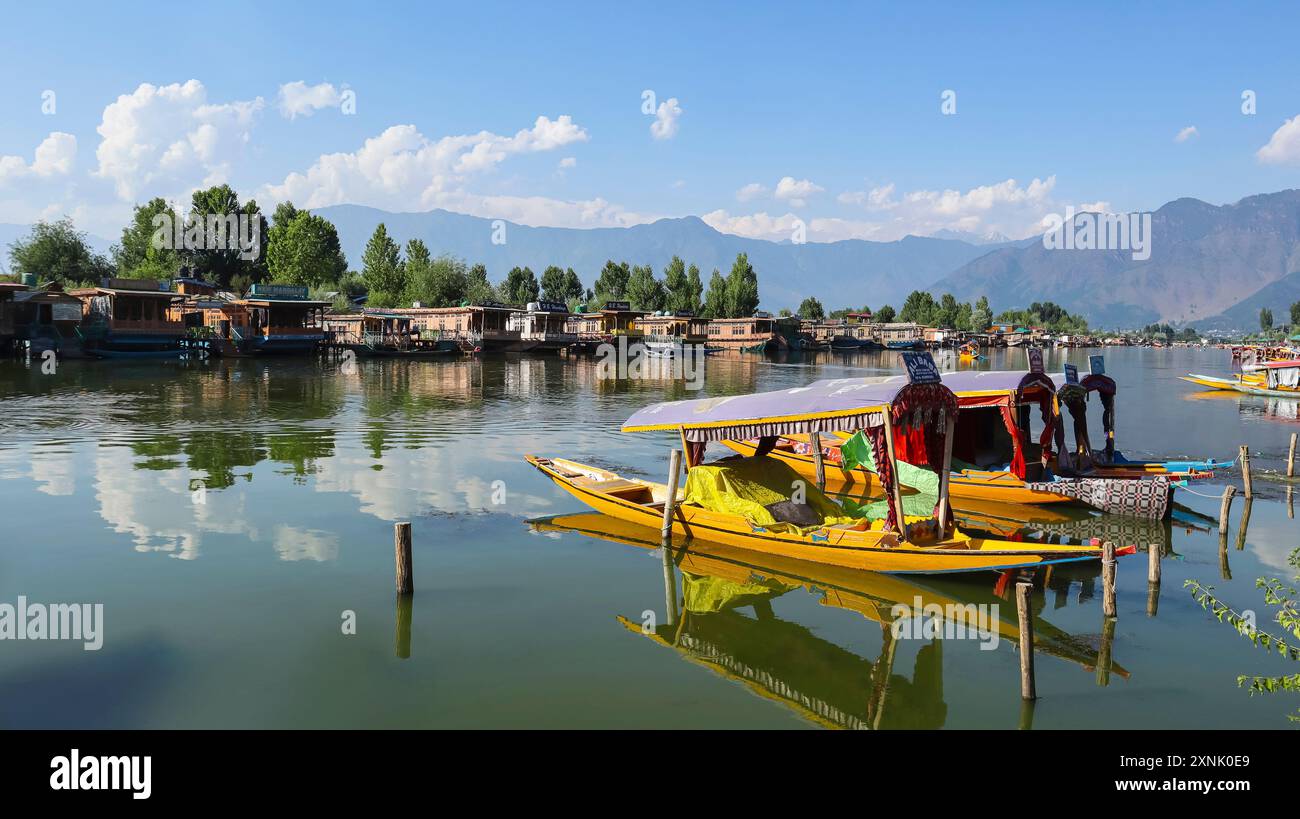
(670, 501)
(945, 472)
(815, 439)
(896, 492)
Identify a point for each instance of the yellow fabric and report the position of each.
(744, 486)
(705, 594)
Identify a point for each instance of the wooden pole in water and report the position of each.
(815, 440)
(1245, 471)
(402, 552)
(1245, 523)
(670, 502)
(1153, 563)
(1027, 688)
(1224, 507)
(403, 637)
(1290, 458)
(1108, 579)
(1290, 502)
(1105, 651)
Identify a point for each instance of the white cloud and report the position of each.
(569, 162)
(298, 99)
(751, 192)
(753, 226)
(403, 170)
(53, 157)
(1187, 133)
(796, 191)
(1283, 147)
(665, 125)
(166, 140)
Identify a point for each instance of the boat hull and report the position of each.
(870, 550)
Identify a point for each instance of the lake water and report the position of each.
(230, 514)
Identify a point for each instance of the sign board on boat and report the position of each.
(1071, 374)
(1097, 364)
(65, 311)
(1035, 355)
(921, 368)
(617, 306)
(552, 307)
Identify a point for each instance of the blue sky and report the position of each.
(844, 100)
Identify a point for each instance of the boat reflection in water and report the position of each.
(706, 584)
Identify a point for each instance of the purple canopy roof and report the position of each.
(825, 406)
(965, 380)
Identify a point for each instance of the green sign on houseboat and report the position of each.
(278, 291)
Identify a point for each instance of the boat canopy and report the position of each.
(836, 405)
(1283, 375)
(1074, 397)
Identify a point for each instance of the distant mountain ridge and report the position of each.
(853, 272)
(1205, 260)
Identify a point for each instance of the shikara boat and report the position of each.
(1276, 379)
(731, 501)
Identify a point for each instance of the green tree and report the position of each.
(572, 285)
(213, 248)
(742, 288)
(304, 249)
(811, 309)
(946, 314)
(677, 286)
(554, 284)
(59, 252)
(694, 299)
(1266, 320)
(1295, 317)
(520, 286)
(147, 249)
(965, 318)
(442, 282)
(982, 316)
(478, 289)
(885, 314)
(644, 291)
(919, 307)
(612, 282)
(383, 269)
(715, 302)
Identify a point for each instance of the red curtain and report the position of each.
(1010, 421)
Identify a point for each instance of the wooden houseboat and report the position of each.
(667, 332)
(901, 335)
(543, 327)
(41, 319)
(130, 318)
(277, 318)
(615, 320)
(483, 327)
(759, 333)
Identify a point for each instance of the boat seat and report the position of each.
(618, 486)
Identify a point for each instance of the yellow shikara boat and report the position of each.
(730, 502)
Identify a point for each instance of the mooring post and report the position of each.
(1290, 458)
(402, 639)
(1224, 507)
(1108, 578)
(402, 553)
(1245, 471)
(1027, 688)
(815, 440)
(670, 502)
(1153, 579)
(1105, 651)
(1290, 502)
(1245, 523)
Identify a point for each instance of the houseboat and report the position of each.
(901, 335)
(615, 320)
(477, 328)
(277, 318)
(665, 333)
(543, 327)
(130, 318)
(759, 333)
(855, 331)
(395, 333)
(36, 320)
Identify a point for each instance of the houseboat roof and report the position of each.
(263, 301)
(125, 291)
(12, 287)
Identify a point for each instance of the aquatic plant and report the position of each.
(1276, 593)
